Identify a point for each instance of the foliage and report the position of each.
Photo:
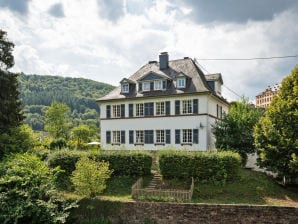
(216, 167)
(27, 193)
(276, 135)
(58, 143)
(82, 134)
(18, 139)
(10, 105)
(89, 177)
(235, 131)
(39, 91)
(125, 162)
(57, 120)
(6, 48)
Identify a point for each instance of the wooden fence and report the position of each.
(176, 195)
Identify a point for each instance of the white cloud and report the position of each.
(84, 44)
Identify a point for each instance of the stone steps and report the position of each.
(156, 181)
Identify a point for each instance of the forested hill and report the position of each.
(39, 91)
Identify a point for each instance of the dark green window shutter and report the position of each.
(130, 109)
(148, 136)
(108, 137)
(177, 107)
(195, 136)
(164, 84)
(146, 109)
(168, 107)
(195, 106)
(122, 110)
(122, 137)
(168, 136)
(151, 85)
(130, 137)
(177, 136)
(151, 109)
(140, 86)
(108, 111)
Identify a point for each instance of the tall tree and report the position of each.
(57, 118)
(276, 135)
(235, 131)
(10, 105)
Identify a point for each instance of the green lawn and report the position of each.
(251, 188)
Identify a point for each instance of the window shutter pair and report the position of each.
(195, 136)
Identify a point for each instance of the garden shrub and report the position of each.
(58, 143)
(89, 177)
(27, 192)
(204, 166)
(123, 163)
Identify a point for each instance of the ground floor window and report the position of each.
(187, 136)
(139, 137)
(116, 137)
(160, 136)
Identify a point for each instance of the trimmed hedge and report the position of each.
(124, 162)
(204, 166)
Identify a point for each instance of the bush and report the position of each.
(123, 163)
(58, 143)
(204, 166)
(127, 163)
(90, 177)
(27, 193)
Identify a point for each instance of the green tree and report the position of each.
(81, 134)
(27, 193)
(10, 105)
(235, 131)
(57, 118)
(6, 48)
(276, 135)
(89, 177)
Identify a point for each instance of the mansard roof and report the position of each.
(197, 81)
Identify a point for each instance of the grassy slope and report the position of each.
(251, 188)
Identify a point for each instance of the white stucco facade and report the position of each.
(201, 121)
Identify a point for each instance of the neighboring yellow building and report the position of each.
(263, 99)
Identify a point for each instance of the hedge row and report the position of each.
(130, 163)
(204, 166)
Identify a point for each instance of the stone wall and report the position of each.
(174, 213)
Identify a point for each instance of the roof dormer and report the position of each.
(215, 82)
(181, 80)
(153, 81)
(126, 85)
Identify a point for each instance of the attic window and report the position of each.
(125, 88)
(146, 86)
(181, 83)
(158, 85)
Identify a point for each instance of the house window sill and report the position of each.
(115, 144)
(183, 144)
(160, 144)
(139, 144)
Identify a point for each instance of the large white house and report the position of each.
(164, 104)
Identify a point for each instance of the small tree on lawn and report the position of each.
(235, 131)
(276, 135)
(90, 177)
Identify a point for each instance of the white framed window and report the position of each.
(146, 86)
(186, 136)
(125, 88)
(160, 136)
(116, 137)
(139, 110)
(160, 108)
(139, 137)
(181, 83)
(186, 106)
(158, 85)
(116, 110)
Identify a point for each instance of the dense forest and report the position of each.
(39, 91)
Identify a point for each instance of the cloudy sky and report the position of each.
(106, 40)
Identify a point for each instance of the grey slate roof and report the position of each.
(214, 77)
(195, 83)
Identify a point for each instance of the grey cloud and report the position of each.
(237, 11)
(20, 6)
(57, 10)
(111, 9)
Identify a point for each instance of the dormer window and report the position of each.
(158, 85)
(125, 88)
(146, 86)
(181, 83)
